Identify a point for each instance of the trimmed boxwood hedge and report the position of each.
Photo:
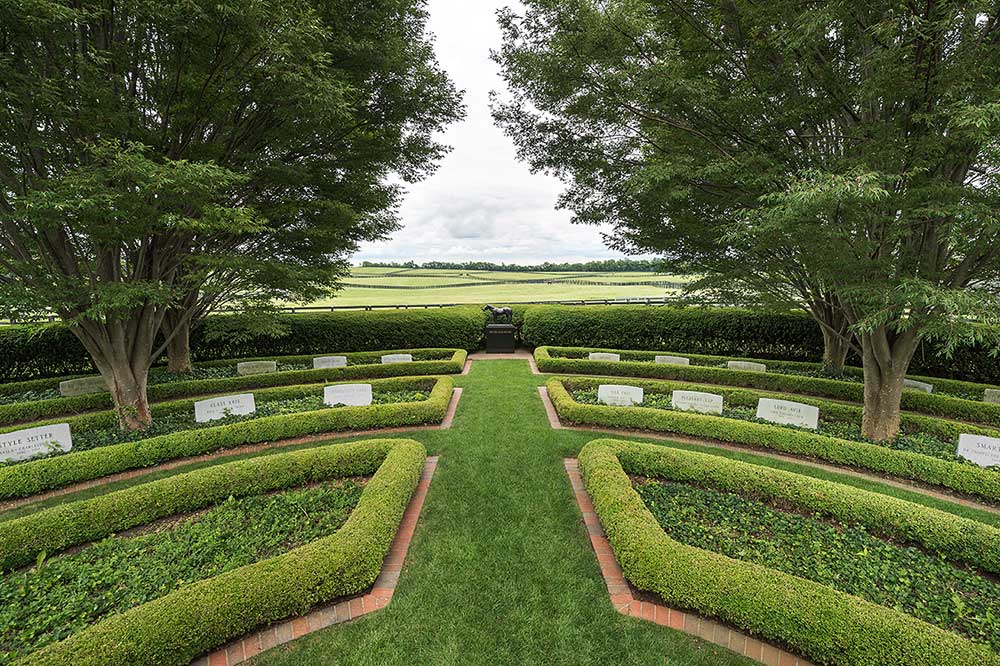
(967, 479)
(917, 401)
(725, 331)
(368, 366)
(191, 621)
(818, 622)
(36, 476)
(51, 350)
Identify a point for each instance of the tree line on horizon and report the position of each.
(597, 266)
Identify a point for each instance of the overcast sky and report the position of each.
(482, 203)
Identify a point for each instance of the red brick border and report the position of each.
(556, 423)
(376, 598)
(623, 600)
(445, 424)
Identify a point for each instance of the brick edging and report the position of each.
(378, 597)
(445, 424)
(623, 600)
(556, 423)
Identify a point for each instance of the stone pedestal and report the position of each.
(500, 338)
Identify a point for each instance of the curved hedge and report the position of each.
(179, 627)
(51, 350)
(368, 366)
(967, 479)
(36, 476)
(820, 623)
(917, 401)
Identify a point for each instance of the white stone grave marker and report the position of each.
(984, 451)
(353, 395)
(788, 413)
(992, 395)
(696, 401)
(920, 386)
(81, 386)
(673, 360)
(324, 362)
(28, 443)
(620, 396)
(748, 366)
(256, 367)
(604, 356)
(213, 409)
(397, 358)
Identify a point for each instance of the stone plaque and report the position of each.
(696, 401)
(324, 362)
(604, 356)
(920, 386)
(217, 408)
(621, 396)
(984, 451)
(992, 395)
(397, 358)
(353, 395)
(788, 413)
(673, 360)
(83, 385)
(747, 366)
(256, 367)
(24, 444)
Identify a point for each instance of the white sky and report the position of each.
(482, 203)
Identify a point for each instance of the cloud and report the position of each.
(482, 203)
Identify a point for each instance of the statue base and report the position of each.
(500, 338)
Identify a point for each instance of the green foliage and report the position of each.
(35, 476)
(814, 620)
(178, 627)
(964, 478)
(118, 573)
(844, 557)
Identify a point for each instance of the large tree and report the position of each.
(843, 154)
(161, 157)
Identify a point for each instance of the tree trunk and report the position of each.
(179, 348)
(835, 350)
(825, 309)
(886, 360)
(128, 390)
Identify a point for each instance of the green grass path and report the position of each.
(500, 570)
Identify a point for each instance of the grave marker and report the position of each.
(747, 366)
(673, 360)
(696, 401)
(920, 386)
(620, 396)
(604, 356)
(324, 362)
(28, 443)
(353, 395)
(213, 409)
(397, 358)
(992, 395)
(82, 386)
(984, 451)
(256, 367)
(788, 413)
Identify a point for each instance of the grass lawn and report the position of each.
(501, 570)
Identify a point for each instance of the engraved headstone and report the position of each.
(81, 386)
(324, 362)
(748, 366)
(920, 386)
(353, 395)
(696, 401)
(788, 413)
(604, 356)
(621, 396)
(984, 451)
(992, 395)
(28, 443)
(217, 408)
(256, 367)
(673, 360)
(397, 358)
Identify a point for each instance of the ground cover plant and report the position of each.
(816, 620)
(59, 596)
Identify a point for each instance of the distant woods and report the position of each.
(603, 266)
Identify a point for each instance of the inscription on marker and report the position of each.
(748, 366)
(696, 401)
(397, 358)
(213, 409)
(28, 443)
(353, 395)
(788, 413)
(256, 367)
(323, 362)
(920, 386)
(620, 396)
(673, 360)
(604, 356)
(984, 451)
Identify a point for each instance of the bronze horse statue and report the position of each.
(500, 315)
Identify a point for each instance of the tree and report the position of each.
(838, 149)
(160, 158)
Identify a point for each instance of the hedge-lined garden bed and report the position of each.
(963, 478)
(27, 401)
(814, 619)
(36, 476)
(185, 619)
(574, 361)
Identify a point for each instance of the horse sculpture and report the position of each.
(500, 315)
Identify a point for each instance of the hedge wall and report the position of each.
(722, 331)
(967, 479)
(51, 350)
(369, 367)
(820, 623)
(36, 476)
(176, 629)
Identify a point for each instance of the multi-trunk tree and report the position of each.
(843, 154)
(159, 158)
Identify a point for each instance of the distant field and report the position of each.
(392, 286)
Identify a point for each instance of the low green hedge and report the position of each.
(177, 628)
(917, 401)
(820, 623)
(368, 365)
(36, 476)
(51, 350)
(967, 479)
